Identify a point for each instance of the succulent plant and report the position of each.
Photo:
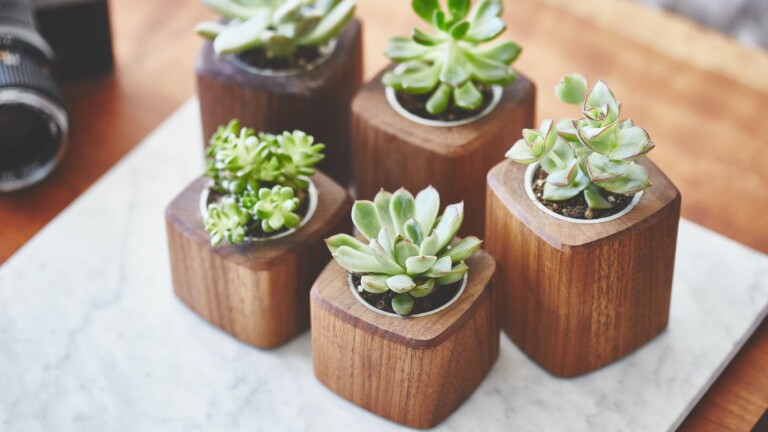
(260, 176)
(240, 159)
(226, 221)
(277, 26)
(594, 153)
(274, 207)
(409, 248)
(451, 62)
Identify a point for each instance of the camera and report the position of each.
(34, 124)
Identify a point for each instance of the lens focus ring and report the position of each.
(21, 69)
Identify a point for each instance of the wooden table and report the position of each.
(702, 96)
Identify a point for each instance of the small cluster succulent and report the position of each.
(589, 155)
(452, 63)
(277, 26)
(259, 176)
(409, 247)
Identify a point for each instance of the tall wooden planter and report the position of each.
(415, 371)
(258, 292)
(577, 297)
(316, 101)
(391, 151)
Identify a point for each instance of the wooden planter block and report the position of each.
(414, 371)
(577, 297)
(316, 101)
(258, 292)
(390, 151)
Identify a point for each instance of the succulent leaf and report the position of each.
(401, 208)
(209, 30)
(382, 201)
(560, 193)
(633, 142)
(463, 249)
(632, 181)
(357, 262)
(603, 168)
(440, 99)
(468, 97)
(417, 265)
(385, 259)
(339, 240)
(429, 245)
(449, 224)
(405, 249)
(455, 274)
(571, 89)
(425, 8)
(366, 219)
(331, 25)
(504, 51)
(423, 289)
(427, 204)
(402, 304)
(400, 283)
(566, 176)
(440, 268)
(594, 199)
(376, 284)
(244, 36)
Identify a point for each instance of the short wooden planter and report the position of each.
(390, 151)
(257, 292)
(414, 371)
(576, 297)
(316, 101)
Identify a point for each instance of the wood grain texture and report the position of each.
(316, 101)
(662, 67)
(577, 297)
(390, 151)
(414, 371)
(257, 292)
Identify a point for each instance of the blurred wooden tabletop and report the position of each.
(701, 96)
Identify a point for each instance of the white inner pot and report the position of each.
(528, 179)
(325, 52)
(391, 95)
(312, 190)
(359, 298)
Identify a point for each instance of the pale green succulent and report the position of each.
(277, 26)
(451, 63)
(241, 163)
(226, 220)
(274, 207)
(239, 159)
(593, 153)
(409, 248)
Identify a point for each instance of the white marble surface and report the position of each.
(93, 339)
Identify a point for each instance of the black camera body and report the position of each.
(79, 33)
(34, 124)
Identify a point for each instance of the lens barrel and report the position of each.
(34, 125)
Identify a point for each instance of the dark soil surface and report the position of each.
(417, 105)
(254, 227)
(440, 296)
(577, 207)
(258, 58)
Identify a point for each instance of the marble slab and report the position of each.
(93, 339)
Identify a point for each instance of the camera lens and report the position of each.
(33, 122)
